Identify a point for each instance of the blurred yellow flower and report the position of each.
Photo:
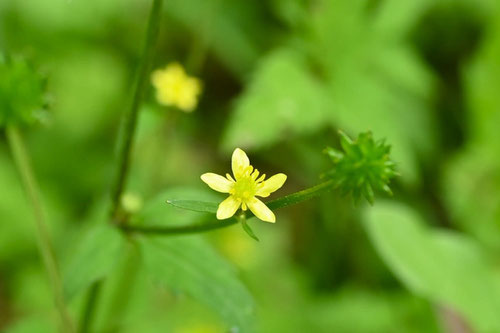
(174, 87)
(244, 188)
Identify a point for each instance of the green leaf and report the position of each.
(190, 265)
(249, 230)
(230, 27)
(32, 324)
(443, 266)
(94, 258)
(197, 206)
(282, 98)
(366, 58)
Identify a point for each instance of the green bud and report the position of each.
(363, 167)
(21, 93)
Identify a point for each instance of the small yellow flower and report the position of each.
(175, 87)
(244, 188)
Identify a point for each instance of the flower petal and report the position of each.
(261, 210)
(239, 162)
(216, 182)
(272, 184)
(227, 208)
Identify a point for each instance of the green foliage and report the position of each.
(280, 77)
(21, 92)
(194, 205)
(363, 167)
(354, 71)
(188, 264)
(282, 98)
(94, 257)
(447, 267)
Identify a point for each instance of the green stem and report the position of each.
(130, 118)
(30, 185)
(180, 230)
(125, 143)
(288, 200)
(303, 195)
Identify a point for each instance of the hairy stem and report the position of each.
(125, 142)
(30, 185)
(180, 230)
(288, 200)
(303, 195)
(130, 118)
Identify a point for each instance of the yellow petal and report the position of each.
(216, 182)
(227, 208)
(240, 163)
(261, 210)
(272, 184)
(188, 95)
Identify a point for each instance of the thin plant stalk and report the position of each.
(125, 144)
(23, 164)
(130, 118)
(287, 200)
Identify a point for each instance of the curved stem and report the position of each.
(30, 185)
(288, 200)
(125, 143)
(179, 230)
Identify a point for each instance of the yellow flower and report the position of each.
(175, 87)
(244, 188)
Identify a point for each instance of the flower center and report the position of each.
(244, 189)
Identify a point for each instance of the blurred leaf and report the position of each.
(32, 324)
(482, 81)
(446, 267)
(374, 77)
(363, 310)
(229, 28)
(190, 265)
(197, 206)
(283, 98)
(94, 258)
(471, 190)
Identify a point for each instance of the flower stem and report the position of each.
(30, 185)
(303, 195)
(130, 118)
(125, 143)
(288, 200)
(188, 229)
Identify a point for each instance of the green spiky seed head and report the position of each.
(363, 167)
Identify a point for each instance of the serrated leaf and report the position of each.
(197, 206)
(444, 266)
(190, 265)
(94, 258)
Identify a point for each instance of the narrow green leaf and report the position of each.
(197, 206)
(444, 266)
(190, 265)
(249, 230)
(94, 257)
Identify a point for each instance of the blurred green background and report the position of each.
(280, 77)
